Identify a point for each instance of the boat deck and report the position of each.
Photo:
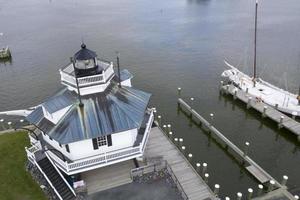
(193, 185)
(287, 122)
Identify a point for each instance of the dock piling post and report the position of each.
(249, 102)
(169, 127)
(217, 189)
(227, 89)
(159, 120)
(170, 134)
(183, 149)
(165, 128)
(247, 90)
(296, 197)
(260, 189)
(239, 196)
(276, 106)
(271, 185)
(191, 108)
(264, 111)
(250, 192)
(179, 92)
(198, 165)
(190, 156)
(9, 125)
(281, 122)
(284, 180)
(246, 148)
(176, 141)
(227, 198)
(235, 94)
(204, 168)
(294, 114)
(180, 141)
(206, 176)
(2, 124)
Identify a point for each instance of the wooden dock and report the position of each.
(283, 120)
(259, 173)
(193, 185)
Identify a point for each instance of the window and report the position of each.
(101, 141)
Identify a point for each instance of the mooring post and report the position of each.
(264, 111)
(250, 193)
(296, 197)
(179, 92)
(227, 198)
(249, 102)
(217, 189)
(294, 114)
(180, 141)
(192, 106)
(204, 168)
(271, 185)
(239, 196)
(169, 127)
(9, 125)
(159, 120)
(247, 144)
(190, 156)
(198, 165)
(284, 180)
(206, 176)
(2, 124)
(176, 141)
(281, 122)
(183, 149)
(235, 94)
(154, 113)
(170, 134)
(260, 189)
(165, 128)
(247, 90)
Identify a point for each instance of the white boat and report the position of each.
(278, 98)
(263, 91)
(5, 53)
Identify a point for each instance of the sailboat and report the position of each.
(263, 91)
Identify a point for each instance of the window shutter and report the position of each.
(109, 142)
(95, 144)
(67, 148)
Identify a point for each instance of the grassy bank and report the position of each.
(15, 182)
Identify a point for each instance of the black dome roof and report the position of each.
(84, 53)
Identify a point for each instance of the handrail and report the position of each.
(147, 130)
(72, 190)
(60, 163)
(46, 177)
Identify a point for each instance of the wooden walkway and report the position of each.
(259, 173)
(193, 185)
(287, 122)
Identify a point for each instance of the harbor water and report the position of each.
(167, 44)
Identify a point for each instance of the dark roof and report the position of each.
(114, 110)
(59, 101)
(84, 54)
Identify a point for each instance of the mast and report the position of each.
(255, 34)
(118, 65)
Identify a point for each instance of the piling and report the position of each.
(227, 198)
(2, 124)
(165, 128)
(180, 141)
(190, 156)
(206, 176)
(169, 127)
(170, 134)
(239, 196)
(235, 94)
(247, 90)
(192, 106)
(249, 102)
(183, 149)
(260, 189)
(179, 92)
(250, 193)
(280, 121)
(296, 197)
(217, 189)
(204, 168)
(246, 148)
(198, 165)
(9, 125)
(271, 185)
(264, 111)
(276, 106)
(159, 120)
(284, 180)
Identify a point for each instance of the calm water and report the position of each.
(167, 44)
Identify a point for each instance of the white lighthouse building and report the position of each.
(97, 120)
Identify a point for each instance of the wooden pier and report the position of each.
(193, 185)
(260, 174)
(283, 120)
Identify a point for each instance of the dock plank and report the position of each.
(257, 174)
(193, 185)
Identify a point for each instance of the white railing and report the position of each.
(102, 159)
(68, 77)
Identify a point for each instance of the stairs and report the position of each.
(56, 180)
